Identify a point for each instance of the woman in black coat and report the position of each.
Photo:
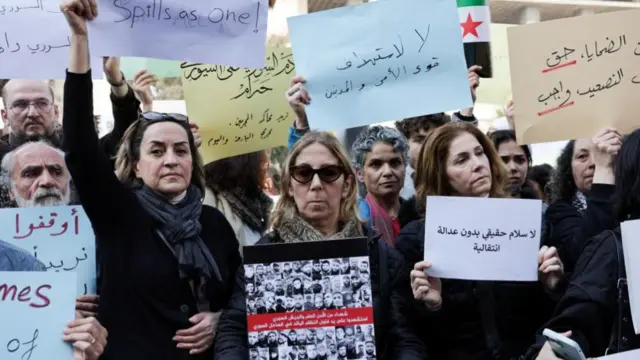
(582, 192)
(319, 203)
(595, 308)
(461, 319)
(167, 262)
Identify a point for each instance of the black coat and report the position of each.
(462, 329)
(568, 229)
(596, 305)
(143, 300)
(395, 340)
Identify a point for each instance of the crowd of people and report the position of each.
(170, 230)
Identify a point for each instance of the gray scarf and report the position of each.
(180, 227)
(294, 229)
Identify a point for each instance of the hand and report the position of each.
(425, 288)
(474, 80)
(551, 270)
(607, 143)
(87, 336)
(87, 305)
(298, 97)
(142, 86)
(199, 337)
(510, 115)
(195, 130)
(111, 65)
(77, 12)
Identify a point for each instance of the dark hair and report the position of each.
(500, 137)
(627, 185)
(563, 187)
(541, 174)
(411, 126)
(237, 172)
(129, 154)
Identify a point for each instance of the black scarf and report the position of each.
(180, 226)
(254, 211)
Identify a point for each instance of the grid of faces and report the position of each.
(327, 284)
(325, 343)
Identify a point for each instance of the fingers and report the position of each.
(297, 80)
(475, 68)
(86, 9)
(193, 125)
(422, 265)
(83, 314)
(194, 330)
(551, 265)
(192, 339)
(298, 94)
(88, 298)
(197, 347)
(567, 334)
(94, 8)
(541, 253)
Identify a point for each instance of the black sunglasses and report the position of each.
(305, 173)
(157, 116)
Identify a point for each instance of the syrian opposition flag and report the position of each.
(475, 23)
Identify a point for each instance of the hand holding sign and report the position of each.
(551, 270)
(77, 12)
(607, 145)
(298, 97)
(87, 336)
(425, 288)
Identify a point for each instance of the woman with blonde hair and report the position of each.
(167, 262)
(468, 319)
(318, 202)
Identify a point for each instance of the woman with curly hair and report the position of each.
(582, 190)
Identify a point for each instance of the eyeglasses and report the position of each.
(305, 173)
(41, 105)
(156, 116)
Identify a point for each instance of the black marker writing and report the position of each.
(14, 346)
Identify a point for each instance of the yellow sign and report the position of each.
(240, 110)
(572, 77)
(497, 89)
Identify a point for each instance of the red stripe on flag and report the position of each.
(310, 319)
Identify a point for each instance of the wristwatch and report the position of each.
(119, 83)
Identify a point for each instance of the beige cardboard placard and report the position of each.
(572, 77)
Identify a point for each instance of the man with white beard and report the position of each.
(36, 175)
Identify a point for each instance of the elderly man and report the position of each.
(86, 334)
(36, 175)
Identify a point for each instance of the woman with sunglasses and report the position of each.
(167, 262)
(318, 202)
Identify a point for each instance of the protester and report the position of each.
(85, 334)
(168, 262)
(582, 190)
(379, 156)
(465, 319)
(540, 179)
(36, 175)
(318, 202)
(518, 161)
(234, 186)
(595, 310)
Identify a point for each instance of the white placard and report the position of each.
(483, 238)
(631, 247)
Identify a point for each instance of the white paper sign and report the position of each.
(482, 238)
(631, 247)
(627, 355)
(35, 41)
(226, 32)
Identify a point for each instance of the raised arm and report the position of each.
(105, 200)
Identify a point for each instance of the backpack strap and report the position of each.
(621, 283)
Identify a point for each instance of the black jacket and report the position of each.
(478, 320)
(143, 301)
(395, 340)
(596, 305)
(568, 229)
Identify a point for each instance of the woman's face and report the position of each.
(516, 161)
(319, 201)
(468, 167)
(166, 162)
(383, 172)
(582, 165)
